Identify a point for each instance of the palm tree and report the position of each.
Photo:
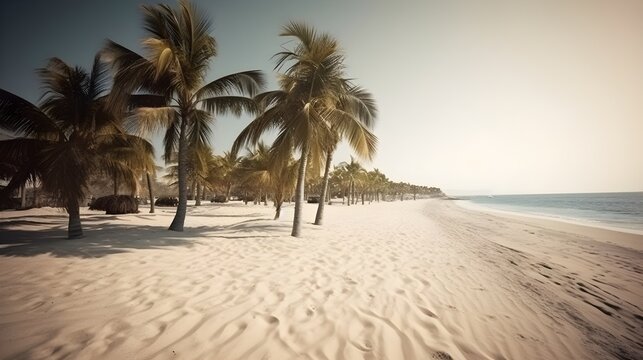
(339, 178)
(254, 170)
(179, 49)
(353, 172)
(379, 182)
(312, 86)
(358, 111)
(138, 158)
(270, 173)
(229, 164)
(69, 137)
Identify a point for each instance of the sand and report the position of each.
(422, 279)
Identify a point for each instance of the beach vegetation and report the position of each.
(171, 75)
(69, 136)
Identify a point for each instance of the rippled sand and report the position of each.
(405, 280)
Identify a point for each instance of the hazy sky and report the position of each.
(475, 96)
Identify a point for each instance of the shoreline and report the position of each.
(400, 280)
(468, 204)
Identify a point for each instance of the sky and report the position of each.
(475, 97)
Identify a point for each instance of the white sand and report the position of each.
(411, 280)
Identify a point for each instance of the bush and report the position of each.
(99, 203)
(166, 201)
(9, 203)
(116, 204)
(219, 199)
(247, 198)
(313, 199)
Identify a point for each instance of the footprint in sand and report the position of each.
(427, 312)
(440, 355)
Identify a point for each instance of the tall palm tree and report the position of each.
(306, 105)
(179, 49)
(71, 135)
(358, 112)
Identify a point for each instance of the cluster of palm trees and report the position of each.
(354, 184)
(259, 176)
(82, 128)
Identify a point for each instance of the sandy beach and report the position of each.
(422, 279)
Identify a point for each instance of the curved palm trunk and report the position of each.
(74, 228)
(181, 209)
(151, 192)
(322, 198)
(299, 195)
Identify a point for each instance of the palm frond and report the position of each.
(24, 118)
(235, 105)
(99, 79)
(199, 131)
(251, 134)
(246, 83)
(146, 120)
(171, 140)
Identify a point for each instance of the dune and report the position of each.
(422, 279)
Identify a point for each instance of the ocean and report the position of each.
(621, 210)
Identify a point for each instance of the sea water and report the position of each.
(621, 210)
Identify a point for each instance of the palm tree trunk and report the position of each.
(193, 190)
(299, 196)
(23, 196)
(181, 209)
(278, 209)
(151, 192)
(198, 195)
(35, 196)
(362, 198)
(227, 193)
(74, 228)
(353, 191)
(322, 198)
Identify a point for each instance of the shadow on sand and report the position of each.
(102, 239)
